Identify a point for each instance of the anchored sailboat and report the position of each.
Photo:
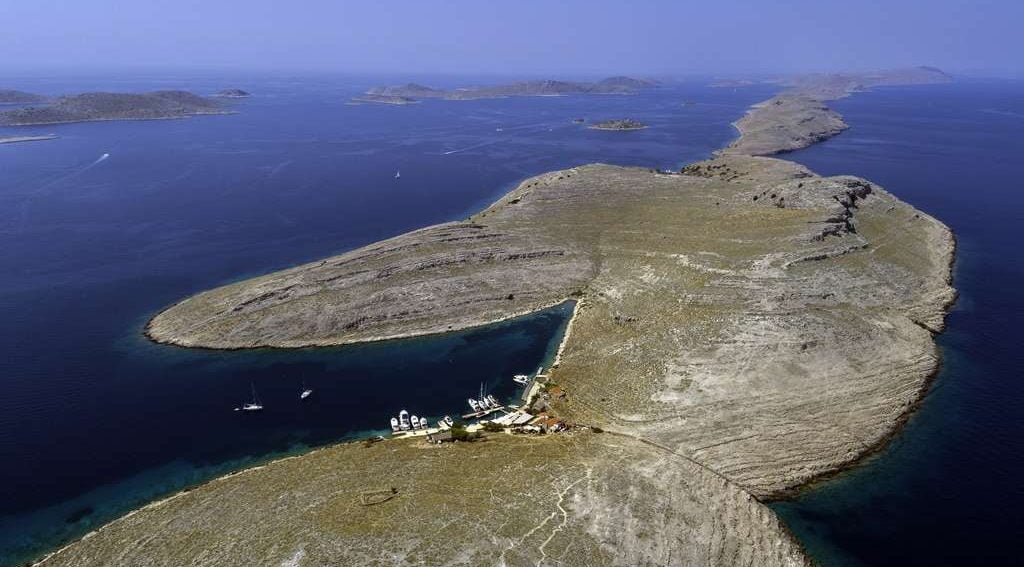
(255, 404)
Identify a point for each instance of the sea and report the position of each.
(105, 226)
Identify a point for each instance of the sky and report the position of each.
(523, 37)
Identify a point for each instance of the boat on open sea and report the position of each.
(306, 392)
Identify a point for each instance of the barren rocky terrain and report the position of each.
(744, 327)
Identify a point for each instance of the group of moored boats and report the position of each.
(484, 403)
(406, 422)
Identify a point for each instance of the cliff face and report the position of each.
(113, 106)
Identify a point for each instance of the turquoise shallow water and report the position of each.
(948, 490)
(95, 420)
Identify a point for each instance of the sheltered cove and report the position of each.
(742, 328)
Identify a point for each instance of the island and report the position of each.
(8, 96)
(17, 139)
(621, 124)
(800, 116)
(101, 106)
(382, 99)
(233, 93)
(416, 92)
(741, 328)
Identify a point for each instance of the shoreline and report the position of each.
(785, 494)
(20, 139)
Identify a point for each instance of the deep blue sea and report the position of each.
(95, 420)
(950, 489)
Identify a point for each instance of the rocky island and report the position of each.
(622, 124)
(233, 93)
(416, 92)
(741, 328)
(370, 98)
(8, 96)
(113, 106)
(800, 116)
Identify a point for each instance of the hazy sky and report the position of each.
(513, 36)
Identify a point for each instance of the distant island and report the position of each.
(800, 116)
(399, 94)
(113, 106)
(731, 83)
(233, 93)
(16, 139)
(383, 99)
(622, 124)
(8, 96)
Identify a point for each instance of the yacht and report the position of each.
(403, 420)
(473, 404)
(255, 404)
(521, 379)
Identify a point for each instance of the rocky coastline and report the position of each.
(743, 327)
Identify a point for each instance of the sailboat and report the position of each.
(398, 175)
(255, 404)
(306, 392)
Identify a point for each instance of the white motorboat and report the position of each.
(415, 422)
(473, 404)
(521, 379)
(403, 420)
(394, 425)
(306, 392)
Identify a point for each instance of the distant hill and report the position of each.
(113, 106)
(19, 97)
(611, 85)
